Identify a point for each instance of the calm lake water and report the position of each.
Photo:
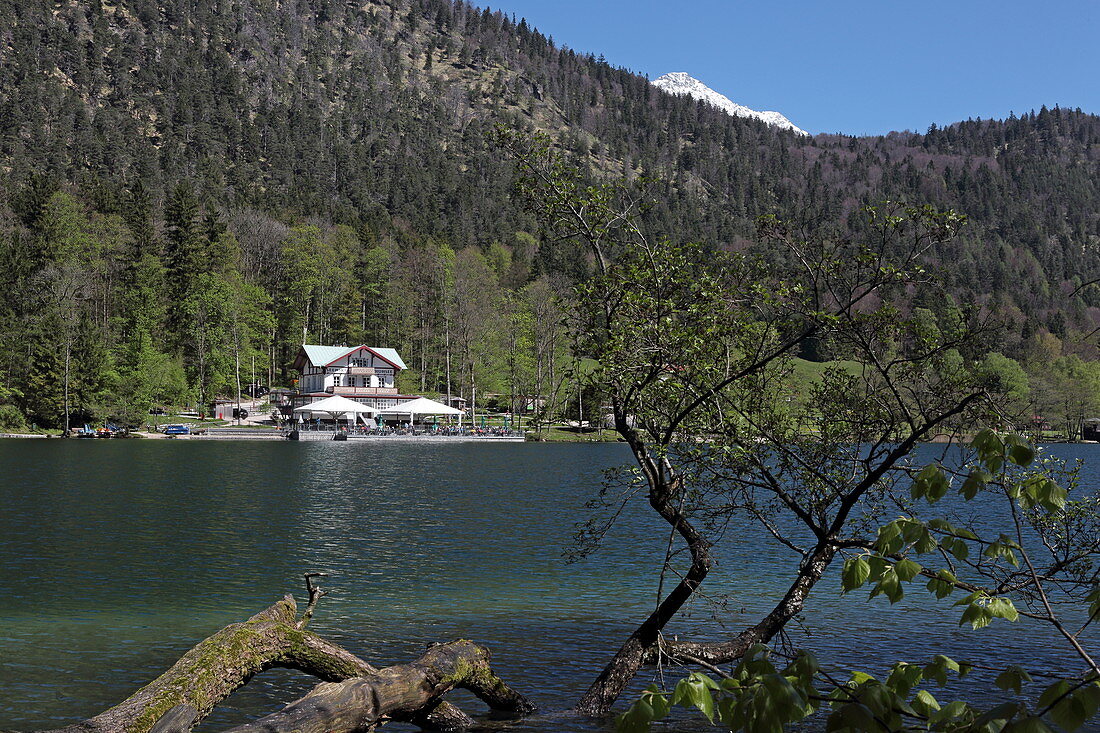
(115, 557)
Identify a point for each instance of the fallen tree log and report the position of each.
(397, 692)
(276, 637)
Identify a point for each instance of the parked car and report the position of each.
(177, 430)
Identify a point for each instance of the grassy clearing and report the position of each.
(557, 435)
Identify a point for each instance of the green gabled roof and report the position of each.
(390, 355)
(322, 355)
(325, 355)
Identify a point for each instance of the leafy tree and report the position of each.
(475, 305)
(1042, 565)
(300, 276)
(1007, 377)
(148, 378)
(62, 328)
(1067, 391)
(693, 355)
(184, 246)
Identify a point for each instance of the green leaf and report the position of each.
(1053, 692)
(903, 677)
(946, 662)
(977, 615)
(705, 680)
(1002, 548)
(925, 543)
(1013, 678)
(729, 712)
(943, 584)
(910, 529)
(859, 678)
(681, 694)
(1020, 451)
(1027, 725)
(937, 669)
(974, 483)
(852, 716)
(695, 691)
(784, 696)
(1089, 695)
(907, 569)
(1070, 713)
(1000, 714)
(941, 524)
(957, 547)
(889, 538)
(949, 712)
(1052, 496)
(878, 565)
(931, 484)
(924, 703)
(889, 586)
(803, 667)
(855, 573)
(658, 701)
(1093, 599)
(1003, 608)
(990, 449)
(635, 720)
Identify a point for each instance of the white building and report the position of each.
(362, 373)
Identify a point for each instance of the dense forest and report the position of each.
(191, 188)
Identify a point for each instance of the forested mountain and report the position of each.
(189, 185)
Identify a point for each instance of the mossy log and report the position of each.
(276, 637)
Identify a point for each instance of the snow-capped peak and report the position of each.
(680, 83)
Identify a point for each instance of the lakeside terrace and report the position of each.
(314, 433)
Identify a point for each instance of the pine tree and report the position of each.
(184, 247)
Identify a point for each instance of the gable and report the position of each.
(313, 355)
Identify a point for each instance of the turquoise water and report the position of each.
(115, 557)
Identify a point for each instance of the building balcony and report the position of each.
(370, 391)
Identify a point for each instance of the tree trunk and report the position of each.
(722, 652)
(447, 356)
(68, 362)
(276, 637)
(664, 487)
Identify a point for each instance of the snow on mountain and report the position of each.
(680, 83)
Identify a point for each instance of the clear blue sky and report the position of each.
(851, 66)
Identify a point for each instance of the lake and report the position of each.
(117, 556)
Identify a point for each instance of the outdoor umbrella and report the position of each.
(337, 406)
(423, 406)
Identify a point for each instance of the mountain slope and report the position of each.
(680, 83)
(381, 115)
